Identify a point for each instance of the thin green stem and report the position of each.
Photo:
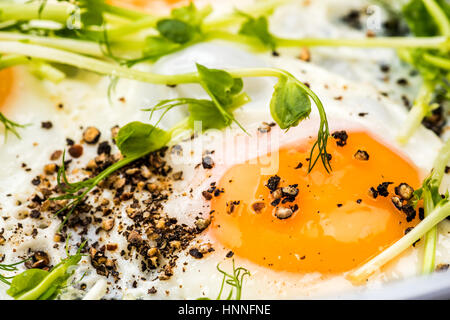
(178, 128)
(441, 162)
(124, 13)
(258, 9)
(43, 70)
(236, 38)
(12, 60)
(323, 132)
(440, 62)
(437, 174)
(146, 22)
(93, 182)
(419, 110)
(58, 12)
(430, 238)
(132, 27)
(107, 68)
(439, 16)
(9, 268)
(360, 275)
(52, 282)
(378, 42)
(46, 283)
(11, 126)
(116, 166)
(73, 45)
(433, 216)
(91, 64)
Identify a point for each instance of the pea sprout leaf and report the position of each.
(175, 30)
(258, 28)
(289, 104)
(26, 281)
(199, 110)
(222, 88)
(202, 110)
(157, 46)
(38, 284)
(427, 70)
(134, 140)
(419, 20)
(423, 24)
(190, 14)
(432, 186)
(425, 19)
(183, 25)
(91, 12)
(220, 84)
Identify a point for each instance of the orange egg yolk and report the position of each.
(6, 85)
(337, 225)
(147, 5)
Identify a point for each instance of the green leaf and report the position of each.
(201, 110)
(220, 84)
(223, 89)
(432, 186)
(183, 25)
(191, 15)
(290, 103)
(428, 71)
(419, 20)
(425, 18)
(206, 112)
(91, 12)
(175, 30)
(37, 284)
(26, 281)
(53, 290)
(258, 28)
(156, 47)
(137, 139)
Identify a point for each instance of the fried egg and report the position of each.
(334, 224)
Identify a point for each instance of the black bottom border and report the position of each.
(248, 309)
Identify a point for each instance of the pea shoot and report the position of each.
(437, 208)
(234, 280)
(38, 284)
(290, 104)
(134, 140)
(11, 126)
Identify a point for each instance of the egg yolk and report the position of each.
(6, 85)
(337, 225)
(146, 4)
